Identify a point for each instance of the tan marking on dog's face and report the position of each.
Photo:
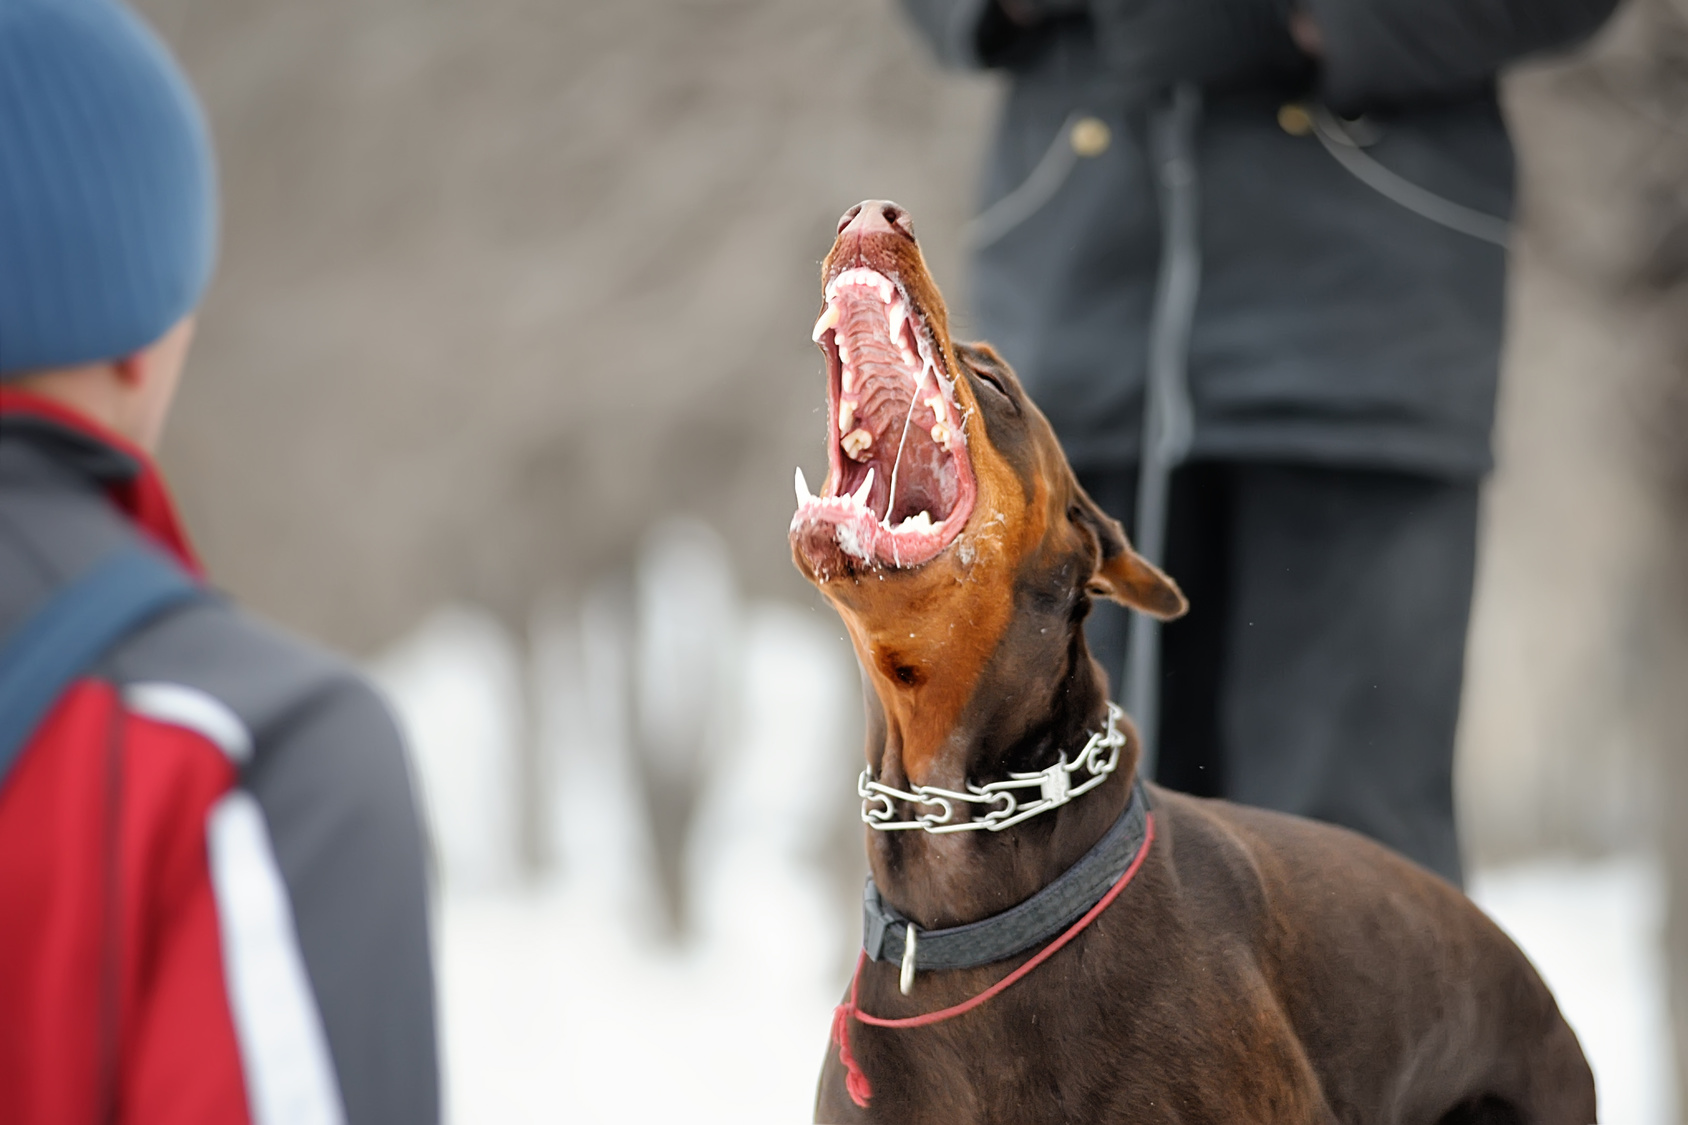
(925, 635)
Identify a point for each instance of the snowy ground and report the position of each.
(546, 1017)
(560, 1002)
(1595, 931)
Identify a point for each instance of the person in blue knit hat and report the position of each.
(211, 864)
(108, 193)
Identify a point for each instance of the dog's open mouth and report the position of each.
(899, 484)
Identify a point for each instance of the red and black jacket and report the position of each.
(212, 899)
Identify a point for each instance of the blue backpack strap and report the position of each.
(64, 638)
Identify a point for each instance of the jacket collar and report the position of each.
(124, 472)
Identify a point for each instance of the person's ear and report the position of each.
(131, 370)
(1121, 573)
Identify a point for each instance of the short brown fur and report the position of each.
(1260, 968)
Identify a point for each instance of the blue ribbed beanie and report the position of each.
(108, 193)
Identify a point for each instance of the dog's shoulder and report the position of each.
(1325, 905)
(1362, 950)
(1291, 866)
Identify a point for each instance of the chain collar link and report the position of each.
(1054, 786)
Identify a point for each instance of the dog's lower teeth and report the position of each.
(803, 493)
(855, 443)
(921, 523)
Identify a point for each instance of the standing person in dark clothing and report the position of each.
(1283, 225)
(212, 898)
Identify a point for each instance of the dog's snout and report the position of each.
(876, 216)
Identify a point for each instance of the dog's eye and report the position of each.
(991, 380)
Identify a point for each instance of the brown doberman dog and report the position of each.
(1211, 963)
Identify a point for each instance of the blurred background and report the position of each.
(500, 387)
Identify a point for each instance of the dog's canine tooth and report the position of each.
(827, 319)
(861, 494)
(804, 496)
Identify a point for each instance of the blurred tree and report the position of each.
(1590, 513)
(504, 282)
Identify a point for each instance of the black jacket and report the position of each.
(1334, 323)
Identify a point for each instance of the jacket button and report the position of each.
(1294, 119)
(1091, 136)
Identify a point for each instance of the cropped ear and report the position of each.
(1121, 573)
(1130, 579)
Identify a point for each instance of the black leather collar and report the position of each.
(1019, 928)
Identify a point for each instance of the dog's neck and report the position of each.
(941, 880)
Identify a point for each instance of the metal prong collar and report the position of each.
(1054, 786)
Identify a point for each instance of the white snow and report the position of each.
(549, 1015)
(1595, 931)
(454, 685)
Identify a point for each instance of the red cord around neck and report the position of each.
(855, 1080)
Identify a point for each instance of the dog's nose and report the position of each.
(876, 216)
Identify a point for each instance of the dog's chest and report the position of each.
(1082, 1046)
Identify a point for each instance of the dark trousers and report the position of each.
(1318, 671)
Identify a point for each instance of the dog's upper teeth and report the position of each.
(828, 319)
(856, 442)
(803, 493)
(861, 494)
(940, 434)
(848, 277)
(844, 353)
(861, 275)
(846, 416)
